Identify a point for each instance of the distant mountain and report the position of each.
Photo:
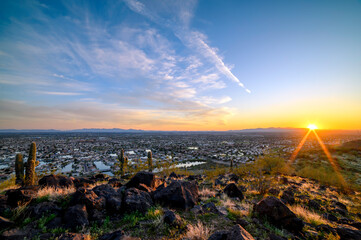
(271, 130)
(107, 130)
(28, 130)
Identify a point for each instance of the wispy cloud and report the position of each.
(191, 38)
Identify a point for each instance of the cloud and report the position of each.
(191, 38)
(59, 93)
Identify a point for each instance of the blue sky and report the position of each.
(180, 65)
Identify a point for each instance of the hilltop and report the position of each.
(215, 205)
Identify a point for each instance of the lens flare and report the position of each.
(312, 128)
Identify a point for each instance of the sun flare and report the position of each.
(312, 126)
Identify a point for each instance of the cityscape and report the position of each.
(84, 154)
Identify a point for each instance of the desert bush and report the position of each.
(206, 193)
(270, 163)
(197, 231)
(308, 216)
(50, 193)
(8, 184)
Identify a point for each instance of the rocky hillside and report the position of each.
(179, 207)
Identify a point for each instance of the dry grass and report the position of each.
(197, 231)
(227, 202)
(206, 193)
(308, 216)
(55, 194)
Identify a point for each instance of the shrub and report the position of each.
(197, 231)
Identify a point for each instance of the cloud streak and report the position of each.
(191, 38)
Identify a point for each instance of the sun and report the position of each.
(312, 126)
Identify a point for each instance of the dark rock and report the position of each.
(100, 177)
(284, 180)
(194, 177)
(219, 182)
(56, 181)
(340, 205)
(172, 219)
(76, 216)
(197, 209)
(348, 234)
(117, 235)
(40, 209)
(97, 216)
(210, 207)
(233, 177)
(114, 204)
(314, 204)
(275, 237)
(115, 183)
(232, 191)
(15, 234)
(356, 225)
(54, 223)
(242, 222)
(325, 228)
(288, 196)
(4, 207)
(146, 178)
(5, 223)
(179, 194)
(173, 175)
(274, 191)
(239, 233)
(88, 198)
(330, 217)
(279, 214)
(83, 182)
(20, 196)
(219, 235)
(74, 236)
(144, 188)
(105, 191)
(137, 200)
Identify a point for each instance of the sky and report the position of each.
(180, 64)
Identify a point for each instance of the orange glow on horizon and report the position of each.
(333, 163)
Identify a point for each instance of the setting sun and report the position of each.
(312, 126)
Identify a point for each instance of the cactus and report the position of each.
(123, 162)
(19, 169)
(150, 161)
(231, 164)
(30, 165)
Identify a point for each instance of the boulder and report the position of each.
(274, 191)
(5, 223)
(74, 236)
(279, 214)
(235, 233)
(146, 178)
(100, 177)
(40, 209)
(137, 200)
(173, 175)
(325, 228)
(20, 196)
(83, 182)
(115, 183)
(211, 208)
(232, 191)
(330, 217)
(239, 233)
(219, 235)
(314, 204)
(179, 194)
(88, 198)
(172, 219)
(113, 199)
(56, 181)
(348, 234)
(288, 196)
(233, 177)
(105, 191)
(76, 216)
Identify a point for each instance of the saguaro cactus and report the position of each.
(30, 165)
(150, 161)
(123, 162)
(19, 169)
(231, 164)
